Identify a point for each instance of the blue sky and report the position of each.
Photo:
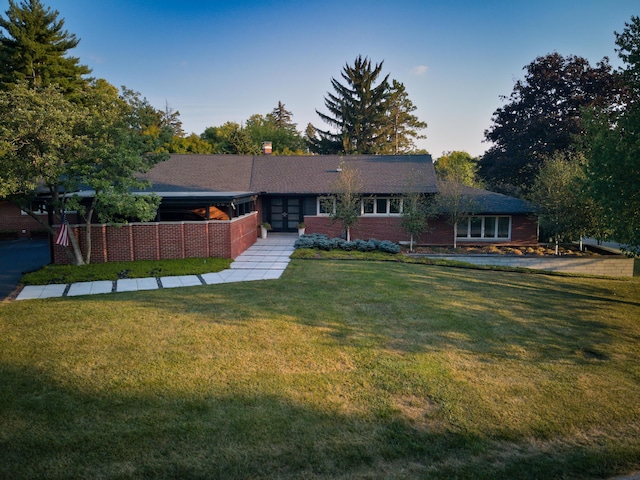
(220, 61)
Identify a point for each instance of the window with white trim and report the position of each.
(368, 206)
(381, 206)
(326, 205)
(485, 227)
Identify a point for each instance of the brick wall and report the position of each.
(13, 222)
(157, 241)
(524, 230)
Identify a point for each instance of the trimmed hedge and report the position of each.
(323, 242)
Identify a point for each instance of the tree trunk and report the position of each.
(89, 219)
(77, 253)
(455, 235)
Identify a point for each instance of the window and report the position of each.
(368, 206)
(381, 206)
(485, 227)
(326, 205)
(37, 208)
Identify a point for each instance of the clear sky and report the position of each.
(216, 61)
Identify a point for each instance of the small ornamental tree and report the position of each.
(455, 203)
(559, 190)
(344, 202)
(415, 215)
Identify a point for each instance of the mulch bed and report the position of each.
(536, 250)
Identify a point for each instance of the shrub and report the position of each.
(348, 246)
(389, 247)
(323, 242)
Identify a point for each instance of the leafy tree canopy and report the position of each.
(542, 116)
(34, 48)
(50, 147)
(275, 127)
(459, 166)
(559, 190)
(613, 148)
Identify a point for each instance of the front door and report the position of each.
(285, 214)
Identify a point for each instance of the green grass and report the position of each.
(52, 274)
(337, 370)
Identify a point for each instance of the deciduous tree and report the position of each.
(416, 211)
(560, 194)
(459, 165)
(344, 203)
(613, 148)
(51, 146)
(542, 116)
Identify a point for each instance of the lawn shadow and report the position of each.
(54, 430)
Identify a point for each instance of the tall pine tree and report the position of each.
(403, 124)
(357, 110)
(34, 47)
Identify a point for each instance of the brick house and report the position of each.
(212, 206)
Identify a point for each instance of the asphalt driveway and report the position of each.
(17, 257)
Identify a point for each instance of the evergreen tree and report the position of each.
(357, 110)
(34, 47)
(282, 117)
(240, 143)
(403, 124)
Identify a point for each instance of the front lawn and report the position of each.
(337, 370)
(52, 274)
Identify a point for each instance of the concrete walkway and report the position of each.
(265, 260)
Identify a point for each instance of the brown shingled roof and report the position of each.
(202, 173)
(380, 174)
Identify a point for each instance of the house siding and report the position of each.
(160, 241)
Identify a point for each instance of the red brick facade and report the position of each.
(524, 230)
(157, 241)
(15, 224)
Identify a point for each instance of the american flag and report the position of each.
(63, 233)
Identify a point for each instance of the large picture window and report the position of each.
(485, 227)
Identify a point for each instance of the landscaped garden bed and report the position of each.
(541, 250)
